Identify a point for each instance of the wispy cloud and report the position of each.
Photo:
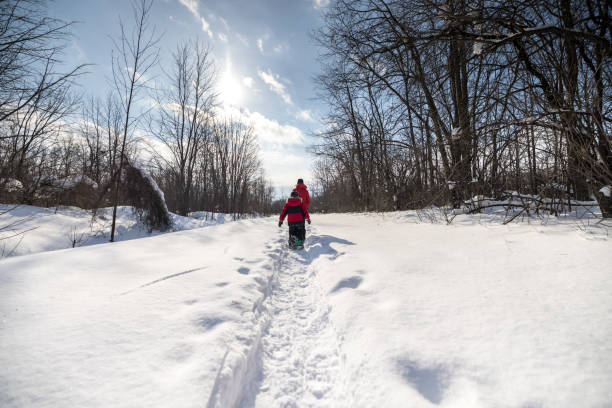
(320, 3)
(305, 114)
(260, 44)
(79, 53)
(224, 21)
(192, 6)
(222, 37)
(176, 20)
(271, 80)
(206, 27)
(280, 48)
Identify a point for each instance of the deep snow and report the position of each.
(26, 229)
(378, 310)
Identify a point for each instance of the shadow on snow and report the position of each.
(321, 245)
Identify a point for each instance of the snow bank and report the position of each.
(47, 229)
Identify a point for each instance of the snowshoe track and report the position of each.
(300, 359)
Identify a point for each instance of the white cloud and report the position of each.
(206, 27)
(248, 82)
(285, 166)
(271, 79)
(192, 6)
(320, 3)
(222, 37)
(282, 148)
(140, 77)
(280, 48)
(176, 20)
(268, 131)
(260, 44)
(305, 114)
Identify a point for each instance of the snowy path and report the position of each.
(300, 362)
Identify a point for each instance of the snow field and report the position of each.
(378, 310)
(471, 315)
(145, 322)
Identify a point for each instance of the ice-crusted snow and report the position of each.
(378, 310)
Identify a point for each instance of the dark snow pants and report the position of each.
(297, 230)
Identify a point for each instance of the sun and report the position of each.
(230, 89)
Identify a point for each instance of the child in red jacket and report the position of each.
(303, 192)
(296, 214)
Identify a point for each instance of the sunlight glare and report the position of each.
(230, 89)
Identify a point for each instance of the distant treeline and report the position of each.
(435, 102)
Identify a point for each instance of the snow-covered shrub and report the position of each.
(12, 185)
(148, 200)
(10, 190)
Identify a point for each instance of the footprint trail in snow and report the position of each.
(300, 362)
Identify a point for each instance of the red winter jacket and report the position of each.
(295, 211)
(303, 192)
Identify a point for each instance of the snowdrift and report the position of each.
(30, 229)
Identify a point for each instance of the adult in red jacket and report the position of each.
(303, 192)
(296, 214)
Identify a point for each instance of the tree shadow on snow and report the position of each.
(318, 245)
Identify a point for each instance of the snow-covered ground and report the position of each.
(378, 310)
(27, 229)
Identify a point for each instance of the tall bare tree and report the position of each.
(183, 120)
(136, 52)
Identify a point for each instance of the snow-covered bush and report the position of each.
(148, 200)
(12, 185)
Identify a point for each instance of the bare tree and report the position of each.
(136, 53)
(183, 120)
(31, 45)
(34, 99)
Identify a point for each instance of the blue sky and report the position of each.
(263, 53)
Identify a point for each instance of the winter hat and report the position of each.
(294, 194)
(300, 181)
